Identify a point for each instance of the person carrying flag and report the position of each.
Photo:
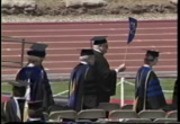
(106, 78)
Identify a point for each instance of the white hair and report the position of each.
(83, 58)
(34, 59)
(96, 47)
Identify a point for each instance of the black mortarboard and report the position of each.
(87, 52)
(152, 53)
(18, 83)
(35, 105)
(99, 40)
(19, 87)
(38, 50)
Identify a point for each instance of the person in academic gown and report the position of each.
(106, 77)
(14, 110)
(148, 91)
(35, 74)
(83, 87)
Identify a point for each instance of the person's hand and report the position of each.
(121, 68)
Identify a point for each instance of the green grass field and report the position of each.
(59, 87)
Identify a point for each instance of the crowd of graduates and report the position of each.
(92, 82)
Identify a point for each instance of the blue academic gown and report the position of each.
(149, 91)
(81, 85)
(40, 88)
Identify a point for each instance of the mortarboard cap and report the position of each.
(35, 105)
(18, 83)
(99, 40)
(87, 52)
(38, 50)
(152, 53)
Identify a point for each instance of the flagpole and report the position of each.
(122, 92)
(122, 80)
(132, 31)
(126, 53)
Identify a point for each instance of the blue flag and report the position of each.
(132, 29)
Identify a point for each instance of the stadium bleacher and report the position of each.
(119, 115)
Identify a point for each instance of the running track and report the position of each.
(65, 40)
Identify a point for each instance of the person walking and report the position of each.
(83, 87)
(106, 77)
(148, 91)
(34, 73)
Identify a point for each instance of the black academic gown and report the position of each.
(148, 90)
(83, 88)
(106, 78)
(39, 84)
(90, 89)
(48, 95)
(11, 113)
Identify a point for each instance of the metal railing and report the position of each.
(23, 42)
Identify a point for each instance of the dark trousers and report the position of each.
(103, 98)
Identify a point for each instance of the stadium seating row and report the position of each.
(114, 116)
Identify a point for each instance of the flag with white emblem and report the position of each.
(132, 29)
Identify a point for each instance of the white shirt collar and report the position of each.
(82, 62)
(148, 66)
(97, 50)
(30, 65)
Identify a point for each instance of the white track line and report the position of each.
(120, 47)
(61, 93)
(86, 35)
(84, 41)
(109, 54)
(77, 61)
(70, 68)
(68, 61)
(76, 29)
